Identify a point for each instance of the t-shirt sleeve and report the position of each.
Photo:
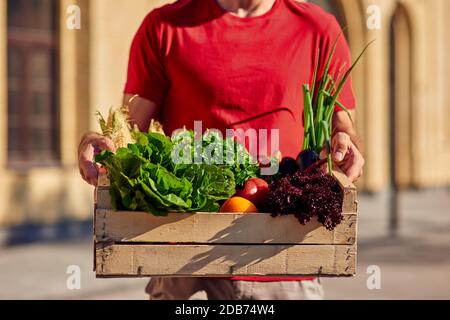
(146, 73)
(340, 62)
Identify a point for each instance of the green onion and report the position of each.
(320, 104)
(341, 106)
(316, 70)
(309, 114)
(327, 146)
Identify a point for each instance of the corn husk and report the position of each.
(118, 128)
(156, 127)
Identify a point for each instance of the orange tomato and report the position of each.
(238, 205)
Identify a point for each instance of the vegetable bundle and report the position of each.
(320, 101)
(144, 177)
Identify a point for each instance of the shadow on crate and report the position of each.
(243, 256)
(207, 228)
(252, 229)
(239, 255)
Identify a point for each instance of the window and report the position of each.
(32, 83)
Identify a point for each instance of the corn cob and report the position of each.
(117, 126)
(155, 127)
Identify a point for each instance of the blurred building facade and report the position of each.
(53, 79)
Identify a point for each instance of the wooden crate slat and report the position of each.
(350, 203)
(103, 180)
(103, 198)
(209, 260)
(111, 226)
(343, 180)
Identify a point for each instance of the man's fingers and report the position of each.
(105, 144)
(348, 162)
(82, 174)
(347, 156)
(101, 170)
(323, 154)
(345, 167)
(85, 176)
(90, 172)
(88, 148)
(355, 169)
(340, 144)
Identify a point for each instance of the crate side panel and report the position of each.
(103, 180)
(343, 181)
(218, 228)
(225, 260)
(103, 198)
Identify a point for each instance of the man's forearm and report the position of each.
(141, 110)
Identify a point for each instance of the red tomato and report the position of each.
(255, 190)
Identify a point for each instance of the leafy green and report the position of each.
(216, 150)
(144, 178)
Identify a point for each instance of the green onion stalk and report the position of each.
(320, 101)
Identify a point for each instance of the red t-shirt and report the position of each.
(199, 62)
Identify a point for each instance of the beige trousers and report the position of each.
(224, 289)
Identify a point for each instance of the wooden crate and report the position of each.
(137, 244)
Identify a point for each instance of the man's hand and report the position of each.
(346, 156)
(91, 144)
(141, 113)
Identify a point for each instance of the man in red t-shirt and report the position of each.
(233, 64)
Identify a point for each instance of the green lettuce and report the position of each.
(219, 151)
(144, 178)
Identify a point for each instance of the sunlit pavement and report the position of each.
(416, 265)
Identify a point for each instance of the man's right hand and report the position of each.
(91, 144)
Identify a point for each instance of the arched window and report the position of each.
(32, 82)
(401, 98)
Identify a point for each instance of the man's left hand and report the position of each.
(346, 156)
